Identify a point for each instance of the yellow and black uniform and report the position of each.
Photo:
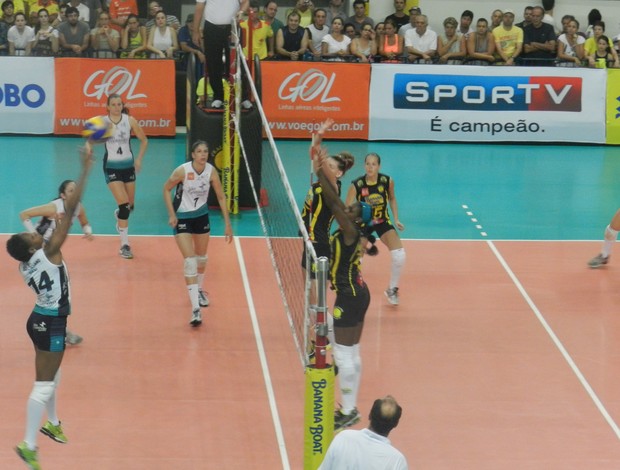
(352, 294)
(317, 219)
(378, 196)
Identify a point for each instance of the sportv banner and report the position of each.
(298, 96)
(472, 103)
(146, 86)
(613, 106)
(26, 95)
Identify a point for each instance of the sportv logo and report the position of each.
(483, 93)
(117, 80)
(308, 86)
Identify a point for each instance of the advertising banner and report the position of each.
(613, 106)
(146, 86)
(471, 103)
(26, 95)
(298, 96)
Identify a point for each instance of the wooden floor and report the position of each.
(503, 355)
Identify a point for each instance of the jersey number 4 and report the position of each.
(45, 283)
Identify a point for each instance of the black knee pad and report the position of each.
(123, 211)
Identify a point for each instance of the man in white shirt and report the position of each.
(370, 448)
(317, 31)
(421, 42)
(217, 16)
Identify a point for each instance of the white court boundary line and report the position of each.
(263, 359)
(556, 340)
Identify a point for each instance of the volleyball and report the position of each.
(97, 130)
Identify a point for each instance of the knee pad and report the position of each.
(42, 392)
(398, 256)
(611, 234)
(202, 261)
(123, 211)
(190, 267)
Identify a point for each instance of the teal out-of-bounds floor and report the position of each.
(529, 192)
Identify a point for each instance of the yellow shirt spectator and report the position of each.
(590, 45)
(200, 92)
(18, 7)
(260, 36)
(508, 39)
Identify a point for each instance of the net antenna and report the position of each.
(280, 218)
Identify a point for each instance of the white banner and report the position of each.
(474, 103)
(27, 95)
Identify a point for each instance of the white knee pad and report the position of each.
(202, 261)
(398, 257)
(611, 234)
(42, 391)
(344, 356)
(190, 267)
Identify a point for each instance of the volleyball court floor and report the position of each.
(504, 350)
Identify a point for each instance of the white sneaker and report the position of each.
(217, 104)
(392, 295)
(196, 318)
(203, 300)
(246, 104)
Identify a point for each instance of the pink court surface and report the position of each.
(504, 355)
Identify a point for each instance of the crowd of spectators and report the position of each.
(111, 28)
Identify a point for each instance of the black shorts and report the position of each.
(196, 225)
(46, 332)
(350, 311)
(380, 228)
(126, 175)
(321, 249)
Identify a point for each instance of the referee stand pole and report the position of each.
(320, 378)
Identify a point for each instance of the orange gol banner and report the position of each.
(301, 95)
(146, 86)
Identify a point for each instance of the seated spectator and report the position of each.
(508, 40)
(481, 45)
(379, 29)
(50, 6)
(365, 47)
(602, 57)
(335, 9)
(594, 16)
(269, 16)
(95, 8)
(162, 39)
(527, 17)
(316, 32)
(421, 42)
(134, 39)
(565, 20)
(335, 45)
(349, 30)
(496, 19)
(119, 12)
(292, 41)
(399, 16)
(391, 47)
(171, 20)
(4, 40)
(539, 41)
(20, 36)
(262, 35)
(8, 12)
(187, 45)
(450, 44)
(74, 35)
(62, 15)
(104, 41)
(359, 18)
(45, 36)
(467, 18)
(591, 46)
(305, 8)
(570, 46)
(413, 14)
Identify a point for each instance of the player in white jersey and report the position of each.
(189, 216)
(51, 214)
(120, 166)
(44, 271)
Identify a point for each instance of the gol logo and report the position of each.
(117, 80)
(307, 86)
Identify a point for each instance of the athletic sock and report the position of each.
(192, 290)
(611, 236)
(124, 233)
(398, 261)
